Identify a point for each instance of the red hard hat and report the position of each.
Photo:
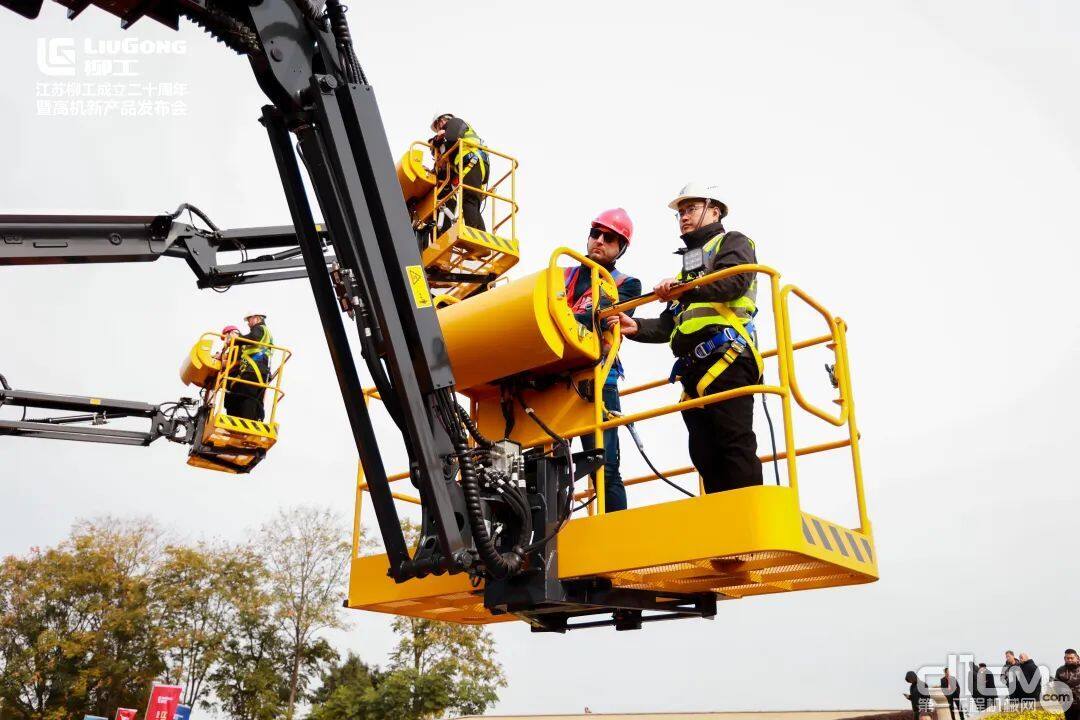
(228, 329)
(616, 220)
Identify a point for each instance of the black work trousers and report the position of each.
(470, 202)
(723, 446)
(246, 401)
(956, 705)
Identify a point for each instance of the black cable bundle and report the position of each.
(339, 26)
(499, 565)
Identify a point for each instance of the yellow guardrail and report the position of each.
(557, 294)
(787, 387)
(230, 362)
(492, 190)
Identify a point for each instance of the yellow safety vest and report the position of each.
(697, 316)
(251, 355)
(736, 314)
(469, 145)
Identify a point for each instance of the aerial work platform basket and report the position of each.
(735, 544)
(224, 442)
(460, 260)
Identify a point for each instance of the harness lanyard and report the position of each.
(730, 357)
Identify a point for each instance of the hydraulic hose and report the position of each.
(772, 438)
(195, 211)
(339, 26)
(499, 565)
(473, 429)
(660, 475)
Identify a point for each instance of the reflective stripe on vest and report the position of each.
(700, 315)
(252, 355)
(469, 146)
(583, 303)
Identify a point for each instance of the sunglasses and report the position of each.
(607, 236)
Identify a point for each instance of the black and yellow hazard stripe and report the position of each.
(488, 240)
(244, 425)
(838, 540)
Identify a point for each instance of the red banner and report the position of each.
(126, 714)
(163, 702)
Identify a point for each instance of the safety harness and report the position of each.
(252, 355)
(735, 337)
(471, 155)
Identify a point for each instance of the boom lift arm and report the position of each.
(174, 421)
(57, 239)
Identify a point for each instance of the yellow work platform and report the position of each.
(228, 443)
(751, 541)
(463, 249)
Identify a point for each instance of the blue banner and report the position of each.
(93, 717)
(183, 712)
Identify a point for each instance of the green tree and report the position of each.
(200, 590)
(306, 551)
(450, 666)
(77, 634)
(345, 693)
(247, 679)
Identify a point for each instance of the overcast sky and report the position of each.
(914, 165)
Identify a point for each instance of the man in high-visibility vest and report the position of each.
(253, 365)
(609, 237)
(451, 131)
(711, 331)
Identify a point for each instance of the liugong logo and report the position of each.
(56, 56)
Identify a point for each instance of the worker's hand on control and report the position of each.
(664, 287)
(627, 325)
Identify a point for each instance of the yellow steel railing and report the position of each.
(609, 346)
(230, 367)
(787, 388)
(495, 192)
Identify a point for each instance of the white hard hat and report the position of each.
(255, 314)
(440, 116)
(699, 190)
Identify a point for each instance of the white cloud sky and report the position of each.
(914, 165)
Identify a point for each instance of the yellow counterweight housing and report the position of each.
(524, 326)
(417, 182)
(201, 367)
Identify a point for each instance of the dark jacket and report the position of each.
(951, 687)
(630, 288)
(453, 131)
(1032, 680)
(1010, 678)
(984, 685)
(1070, 675)
(735, 250)
(920, 696)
